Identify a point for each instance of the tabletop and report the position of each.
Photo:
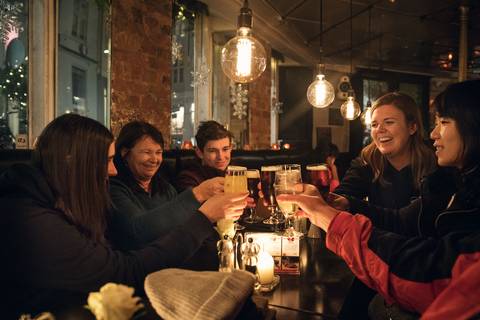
(318, 291)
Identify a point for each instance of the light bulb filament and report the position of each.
(320, 93)
(350, 109)
(244, 65)
(368, 116)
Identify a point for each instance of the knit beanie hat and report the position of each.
(185, 294)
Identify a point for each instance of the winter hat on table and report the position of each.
(184, 294)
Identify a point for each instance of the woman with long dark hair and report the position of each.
(54, 216)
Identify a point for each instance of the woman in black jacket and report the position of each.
(53, 219)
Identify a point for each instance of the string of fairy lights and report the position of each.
(14, 85)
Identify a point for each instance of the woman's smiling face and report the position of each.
(391, 132)
(144, 159)
(448, 143)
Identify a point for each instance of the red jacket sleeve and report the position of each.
(460, 299)
(348, 236)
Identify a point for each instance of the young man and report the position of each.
(214, 146)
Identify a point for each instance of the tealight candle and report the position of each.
(265, 268)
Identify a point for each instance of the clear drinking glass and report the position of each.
(268, 190)
(285, 181)
(236, 182)
(253, 178)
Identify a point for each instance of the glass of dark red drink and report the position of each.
(319, 176)
(268, 190)
(253, 179)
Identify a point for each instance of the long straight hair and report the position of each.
(131, 134)
(422, 157)
(72, 152)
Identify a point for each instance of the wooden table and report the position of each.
(320, 289)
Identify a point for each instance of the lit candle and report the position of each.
(265, 268)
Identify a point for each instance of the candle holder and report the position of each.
(270, 286)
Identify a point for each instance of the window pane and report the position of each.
(183, 103)
(83, 60)
(14, 75)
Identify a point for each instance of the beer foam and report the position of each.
(236, 168)
(253, 174)
(319, 167)
(271, 168)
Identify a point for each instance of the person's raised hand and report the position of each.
(209, 188)
(223, 206)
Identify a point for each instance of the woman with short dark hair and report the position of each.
(147, 207)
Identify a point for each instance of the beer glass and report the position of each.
(253, 179)
(236, 182)
(285, 181)
(268, 190)
(319, 176)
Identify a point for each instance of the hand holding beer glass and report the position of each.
(253, 179)
(236, 182)
(285, 181)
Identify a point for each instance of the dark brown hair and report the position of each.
(72, 152)
(423, 159)
(211, 130)
(131, 134)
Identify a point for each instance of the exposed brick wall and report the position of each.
(141, 64)
(259, 103)
(141, 71)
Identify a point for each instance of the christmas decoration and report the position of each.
(276, 107)
(238, 98)
(200, 78)
(176, 49)
(14, 88)
(8, 19)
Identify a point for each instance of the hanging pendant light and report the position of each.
(366, 116)
(243, 57)
(320, 93)
(350, 109)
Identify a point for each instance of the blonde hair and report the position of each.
(423, 159)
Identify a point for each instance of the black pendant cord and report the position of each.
(369, 57)
(351, 37)
(321, 31)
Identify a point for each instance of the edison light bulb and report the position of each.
(320, 93)
(366, 116)
(350, 110)
(243, 57)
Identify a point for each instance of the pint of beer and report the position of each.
(267, 184)
(319, 176)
